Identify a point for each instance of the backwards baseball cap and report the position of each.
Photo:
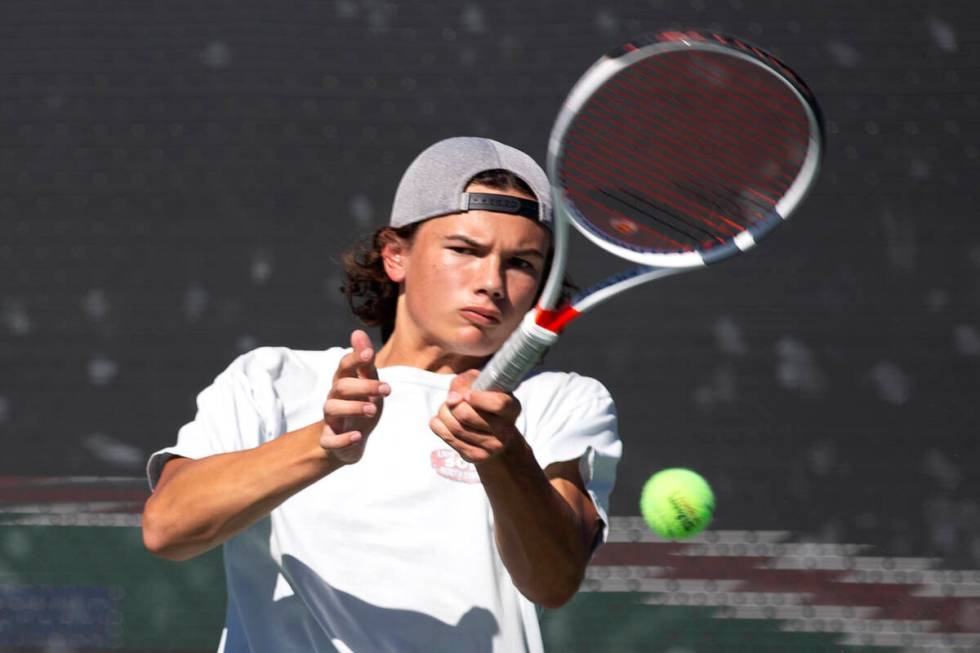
(435, 182)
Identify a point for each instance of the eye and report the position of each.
(523, 264)
(461, 249)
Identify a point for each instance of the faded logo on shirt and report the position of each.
(451, 465)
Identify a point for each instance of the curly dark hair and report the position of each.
(372, 296)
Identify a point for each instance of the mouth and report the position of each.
(481, 316)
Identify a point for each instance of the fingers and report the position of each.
(467, 432)
(353, 397)
(339, 408)
(347, 447)
(463, 418)
(491, 404)
(472, 447)
(331, 440)
(360, 342)
(359, 362)
(355, 388)
(462, 382)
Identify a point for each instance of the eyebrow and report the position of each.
(530, 251)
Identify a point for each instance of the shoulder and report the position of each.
(564, 414)
(283, 367)
(561, 394)
(276, 361)
(565, 386)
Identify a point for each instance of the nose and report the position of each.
(491, 278)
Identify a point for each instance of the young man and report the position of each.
(368, 500)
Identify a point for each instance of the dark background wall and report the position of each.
(179, 179)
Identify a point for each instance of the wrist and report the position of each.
(320, 460)
(516, 452)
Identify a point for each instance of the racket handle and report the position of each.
(518, 355)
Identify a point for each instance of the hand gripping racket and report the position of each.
(674, 151)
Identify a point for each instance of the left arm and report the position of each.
(545, 523)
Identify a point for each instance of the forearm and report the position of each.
(209, 500)
(542, 540)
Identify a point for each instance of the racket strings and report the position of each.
(654, 157)
(733, 118)
(606, 162)
(668, 202)
(665, 208)
(758, 88)
(618, 145)
(738, 121)
(654, 154)
(627, 152)
(748, 88)
(626, 224)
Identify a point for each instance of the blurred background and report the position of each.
(178, 183)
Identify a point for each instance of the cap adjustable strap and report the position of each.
(500, 204)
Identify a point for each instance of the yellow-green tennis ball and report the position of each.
(677, 503)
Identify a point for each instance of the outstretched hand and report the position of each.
(479, 425)
(354, 403)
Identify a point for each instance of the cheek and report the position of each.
(523, 289)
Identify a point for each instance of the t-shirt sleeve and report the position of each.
(229, 418)
(578, 422)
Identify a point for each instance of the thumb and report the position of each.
(459, 385)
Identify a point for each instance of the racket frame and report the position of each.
(604, 70)
(539, 329)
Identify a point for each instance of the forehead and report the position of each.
(488, 227)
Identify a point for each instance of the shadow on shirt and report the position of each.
(363, 626)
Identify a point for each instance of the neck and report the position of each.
(412, 351)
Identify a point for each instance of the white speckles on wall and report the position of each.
(797, 368)
(473, 19)
(102, 370)
(843, 54)
(246, 343)
(974, 255)
(822, 457)
(720, 387)
(606, 21)
(95, 304)
(15, 317)
(938, 466)
(900, 240)
(966, 340)
(362, 211)
(942, 33)
(114, 451)
(891, 383)
(217, 54)
(729, 337)
(937, 300)
(261, 267)
(196, 300)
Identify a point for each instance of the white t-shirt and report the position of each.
(396, 552)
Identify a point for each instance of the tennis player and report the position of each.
(366, 498)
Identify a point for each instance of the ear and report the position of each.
(393, 254)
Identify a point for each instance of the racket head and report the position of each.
(682, 148)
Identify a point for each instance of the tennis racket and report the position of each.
(674, 151)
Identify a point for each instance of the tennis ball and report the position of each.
(677, 503)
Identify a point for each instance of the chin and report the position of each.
(475, 342)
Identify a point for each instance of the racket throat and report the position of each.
(556, 319)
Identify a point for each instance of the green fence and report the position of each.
(71, 587)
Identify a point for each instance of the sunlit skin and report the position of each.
(467, 281)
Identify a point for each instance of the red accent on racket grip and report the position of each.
(555, 320)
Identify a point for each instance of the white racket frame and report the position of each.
(530, 340)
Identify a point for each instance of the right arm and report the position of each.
(198, 504)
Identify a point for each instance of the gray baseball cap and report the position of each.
(435, 182)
